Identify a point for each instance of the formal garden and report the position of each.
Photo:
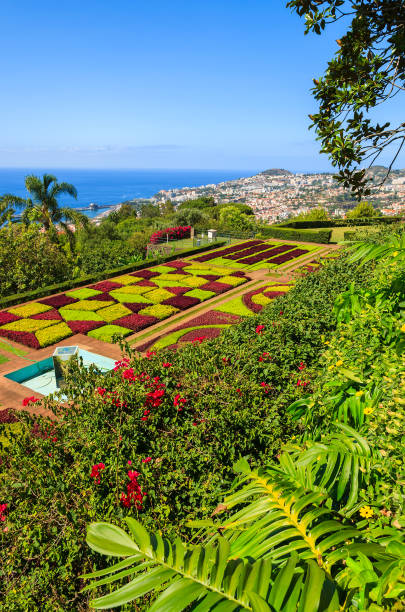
(260, 469)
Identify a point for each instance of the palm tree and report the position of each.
(43, 206)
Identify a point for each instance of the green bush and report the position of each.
(44, 291)
(322, 236)
(28, 260)
(236, 390)
(342, 222)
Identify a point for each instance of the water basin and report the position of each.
(40, 376)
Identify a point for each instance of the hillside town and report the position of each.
(279, 194)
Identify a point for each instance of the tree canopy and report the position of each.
(314, 214)
(367, 70)
(363, 210)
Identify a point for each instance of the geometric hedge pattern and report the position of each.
(119, 306)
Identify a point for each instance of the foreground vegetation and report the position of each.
(320, 526)
(309, 394)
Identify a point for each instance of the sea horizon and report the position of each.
(112, 186)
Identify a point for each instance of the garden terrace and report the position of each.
(120, 306)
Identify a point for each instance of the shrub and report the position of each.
(80, 315)
(136, 322)
(160, 311)
(193, 281)
(158, 295)
(83, 327)
(49, 315)
(171, 233)
(29, 309)
(7, 317)
(322, 236)
(89, 305)
(133, 289)
(83, 293)
(29, 259)
(182, 302)
(129, 297)
(126, 279)
(53, 334)
(200, 294)
(113, 312)
(233, 280)
(107, 332)
(27, 325)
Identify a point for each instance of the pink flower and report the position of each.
(3, 508)
(259, 329)
(129, 462)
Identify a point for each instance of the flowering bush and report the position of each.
(105, 286)
(216, 287)
(171, 233)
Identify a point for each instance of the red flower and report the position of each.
(101, 391)
(147, 460)
(166, 365)
(30, 400)
(301, 366)
(239, 391)
(3, 508)
(259, 329)
(199, 339)
(150, 354)
(95, 472)
(226, 360)
(178, 400)
(263, 356)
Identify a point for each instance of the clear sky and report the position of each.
(157, 84)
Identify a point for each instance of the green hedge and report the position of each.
(27, 296)
(341, 222)
(322, 236)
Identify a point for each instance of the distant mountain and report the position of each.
(275, 172)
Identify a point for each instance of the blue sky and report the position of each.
(180, 84)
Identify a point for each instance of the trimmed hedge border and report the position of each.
(341, 222)
(28, 296)
(321, 236)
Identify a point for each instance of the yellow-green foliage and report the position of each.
(126, 279)
(53, 334)
(80, 315)
(261, 299)
(233, 280)
(131, 298)
(107, 332)
(193, 281)
(113, 312)
(86, 305)
(27, 325)
(133, 289)
(160, 311)
(83, 293)
(168, 277)
(159, 295)
(29, 309)
(201, 294)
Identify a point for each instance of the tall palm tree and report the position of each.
(43, 206)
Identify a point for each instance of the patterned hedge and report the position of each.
(119, 306)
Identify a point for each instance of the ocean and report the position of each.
(114, 186)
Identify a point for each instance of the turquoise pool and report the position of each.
(40, 376)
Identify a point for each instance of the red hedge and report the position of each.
(174, 233)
